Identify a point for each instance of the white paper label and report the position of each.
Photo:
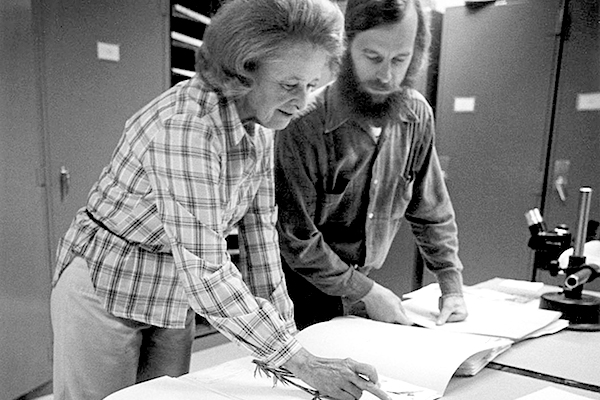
(464, 104)
(588, 101)
(108, 51)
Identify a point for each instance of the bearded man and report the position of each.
(361, 157)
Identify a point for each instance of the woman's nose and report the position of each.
(301, 97)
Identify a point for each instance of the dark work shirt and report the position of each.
(342, 194)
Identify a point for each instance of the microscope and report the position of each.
(581, 310)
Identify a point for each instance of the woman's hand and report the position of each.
(335, 378)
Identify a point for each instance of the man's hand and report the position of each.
(452, 309)
(383, 305)
(335, 378)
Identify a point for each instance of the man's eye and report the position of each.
(289, 86)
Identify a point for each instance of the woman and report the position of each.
(148, 250)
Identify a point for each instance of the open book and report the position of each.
(423, 360)
(412, 362)
(491, 312)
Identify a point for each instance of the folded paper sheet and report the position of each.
(423, 357)
(491, 313)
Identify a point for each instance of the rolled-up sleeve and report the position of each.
(432, 219)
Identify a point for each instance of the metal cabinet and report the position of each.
(102, 61)
(512, 74)
(574, 154)
(25, 333)
(72, 71)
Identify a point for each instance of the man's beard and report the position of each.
(378, 109)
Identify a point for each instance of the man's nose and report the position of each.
(384, 73)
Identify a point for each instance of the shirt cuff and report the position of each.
(287, 351)
(450, 281)
(358, 286)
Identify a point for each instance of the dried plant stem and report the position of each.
(282, 375)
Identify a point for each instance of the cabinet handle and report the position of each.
(65, 182)
(561, 172)
(560, 184)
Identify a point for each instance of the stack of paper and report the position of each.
(491, 313)
(519, 291)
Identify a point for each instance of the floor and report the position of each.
(207, 351)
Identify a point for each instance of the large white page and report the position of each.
(490, 313)
(166, 387)
(237, 380)
(419, 356)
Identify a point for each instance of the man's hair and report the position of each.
(362, 15)
(244, 34)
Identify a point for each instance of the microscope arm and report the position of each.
(587, 273)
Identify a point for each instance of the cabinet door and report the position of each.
(576, 133)
(25, 334)
(496, 79)
(88, 98)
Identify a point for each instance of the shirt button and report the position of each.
(371, 215)
(376, 181)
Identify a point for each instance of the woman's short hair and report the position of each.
(362, 15)
(243, 34)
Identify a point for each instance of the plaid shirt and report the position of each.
(185, 174)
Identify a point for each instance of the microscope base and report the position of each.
(583, 314)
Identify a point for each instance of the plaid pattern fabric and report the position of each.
(185, 174)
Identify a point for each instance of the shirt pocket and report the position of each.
(403, 195)
(405, 186)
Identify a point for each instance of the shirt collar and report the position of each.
(234, 127)
(337, 112)
(225, 114)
